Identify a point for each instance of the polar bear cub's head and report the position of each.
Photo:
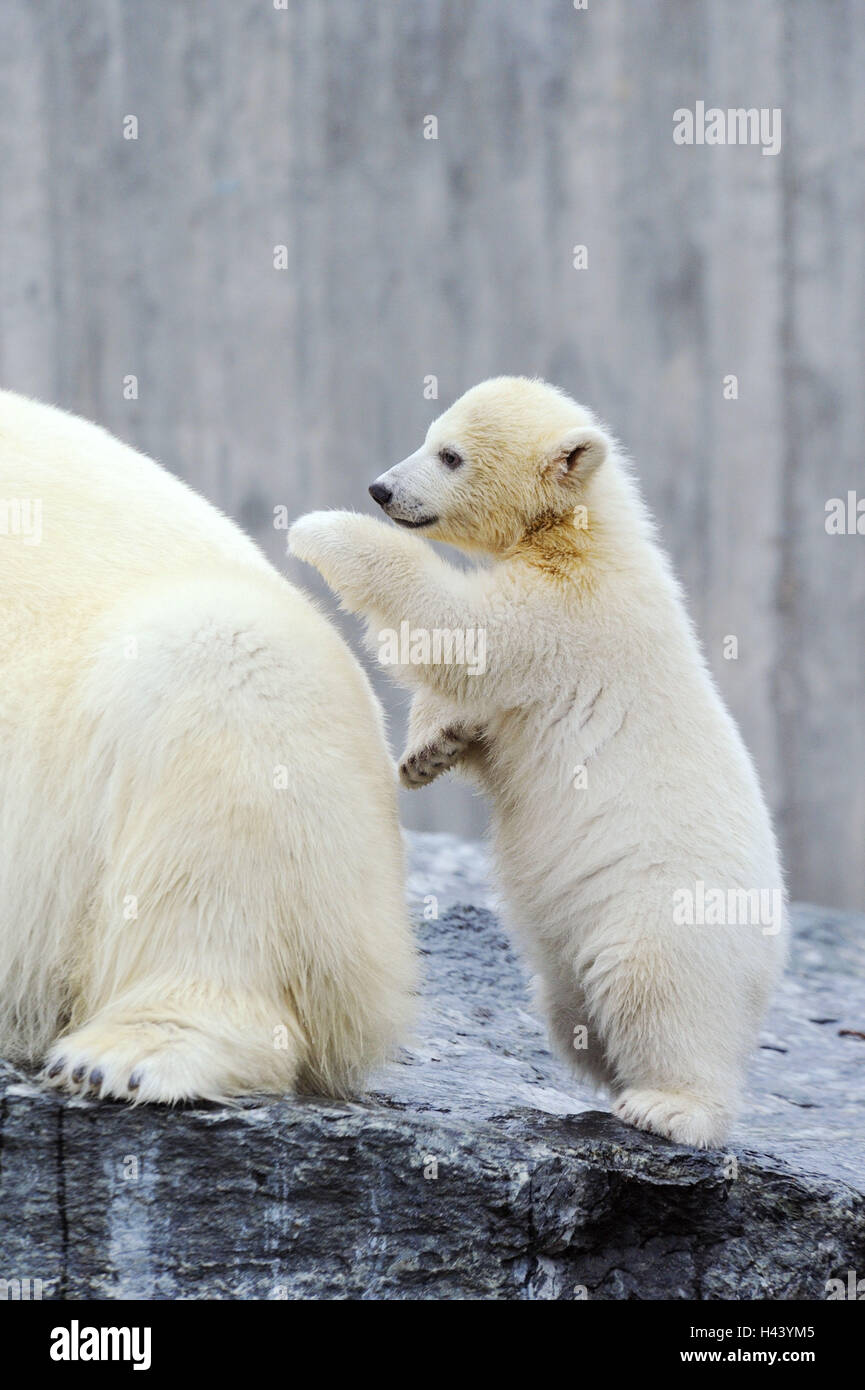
(510, 454)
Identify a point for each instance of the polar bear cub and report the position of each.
(194, 783)
(633, 845)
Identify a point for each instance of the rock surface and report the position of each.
(475, 1168)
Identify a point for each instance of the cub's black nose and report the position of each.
(380, 494)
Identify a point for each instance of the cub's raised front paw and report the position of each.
(349, 551)
(313, 536)
(422, 764)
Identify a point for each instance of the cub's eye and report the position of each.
(450, 458)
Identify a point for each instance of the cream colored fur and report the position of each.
(618, 781)
(201, 886)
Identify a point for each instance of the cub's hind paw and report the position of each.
(422, 765)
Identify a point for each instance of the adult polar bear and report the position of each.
(194, 783)
(592, 668)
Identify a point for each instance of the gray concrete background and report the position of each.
(409, 257)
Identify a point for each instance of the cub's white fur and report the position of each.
(619, 783)
(194, 785)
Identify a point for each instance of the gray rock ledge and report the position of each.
(475, 1168)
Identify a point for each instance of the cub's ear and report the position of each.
(577, 454)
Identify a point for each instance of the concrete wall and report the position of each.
(410, 257)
